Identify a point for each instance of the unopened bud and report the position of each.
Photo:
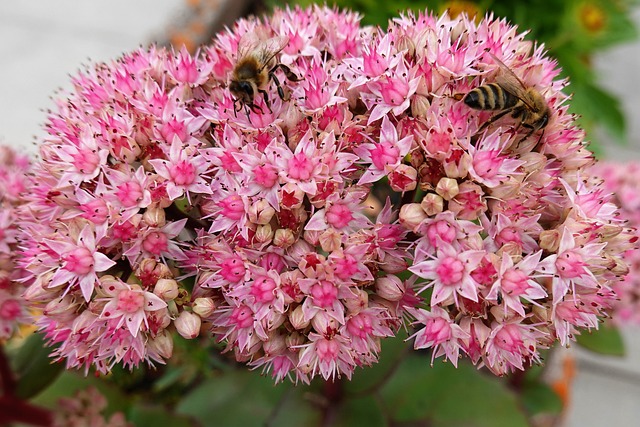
(293, 340)
(330, 240)
(261, 212)
(390, 287)
(550, 240)
(162, 344)
(447, 188)
(167, 289)
(393, 264)
(204, 307)
(358, 303)
(420, 106)
(154, 217)
(412, 215)
(264, 233)
(533, 161)
(283, 238)
(188, 325)
(275, 345)
(432, 204)
(296, 317)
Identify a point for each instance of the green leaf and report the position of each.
(236, 398)
(368, 378)
(153, 416)
(447, 396)
(34, 369)
(69, 382)
(538, 398)
(605, 340)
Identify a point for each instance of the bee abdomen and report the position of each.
(490, 97)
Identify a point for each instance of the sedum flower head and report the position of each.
(13, 184)
(153, 171)
(620, 179)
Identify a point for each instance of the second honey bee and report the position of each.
(509, 95)
(255, 68)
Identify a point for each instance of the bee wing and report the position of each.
(248, 43)
(269, 48)
(510, 82)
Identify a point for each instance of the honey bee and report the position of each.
(255, 67)
(509, 95)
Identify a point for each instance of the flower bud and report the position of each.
(550, 240)
(358, 303)
(275, 345)
(533, 161)
(293, 340)
(420, 106)
(412, 215)
(393, 264)
(162, 344)
(283, 238)
(274, 321)
(167, 289)
(154, 217)
(261, 212)
(296, 317)
(188, 325)
(390, 287)
(432, 204)
(264, 233)
(330, 240)
(204, 307)
(312, 236)
(447, 188)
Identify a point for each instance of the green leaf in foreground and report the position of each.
(35, 370)
(538, 398)
(447, 396)
(605, 340)
(237, 398)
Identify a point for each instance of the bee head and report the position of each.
(242, 89)
(542, 121)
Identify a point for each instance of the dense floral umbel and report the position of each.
(13, 183)
(153, 172)
(623, 180)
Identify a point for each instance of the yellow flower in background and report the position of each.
(592, 17)
(455, 8)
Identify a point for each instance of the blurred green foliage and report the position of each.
(572, 30)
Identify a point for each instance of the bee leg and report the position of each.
(278, 85)
(266, 98)
(494, 118)
(291, 76)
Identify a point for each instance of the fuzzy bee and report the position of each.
(255, 68)
(509, 95)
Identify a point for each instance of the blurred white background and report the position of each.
(43, 42)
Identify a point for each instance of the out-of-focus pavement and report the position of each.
(43, 41)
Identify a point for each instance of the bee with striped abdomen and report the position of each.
(509, 95)
(255, 68)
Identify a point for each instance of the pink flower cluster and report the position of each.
(13, 183)
(623, 180)
(86, 408)
(152, 177)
